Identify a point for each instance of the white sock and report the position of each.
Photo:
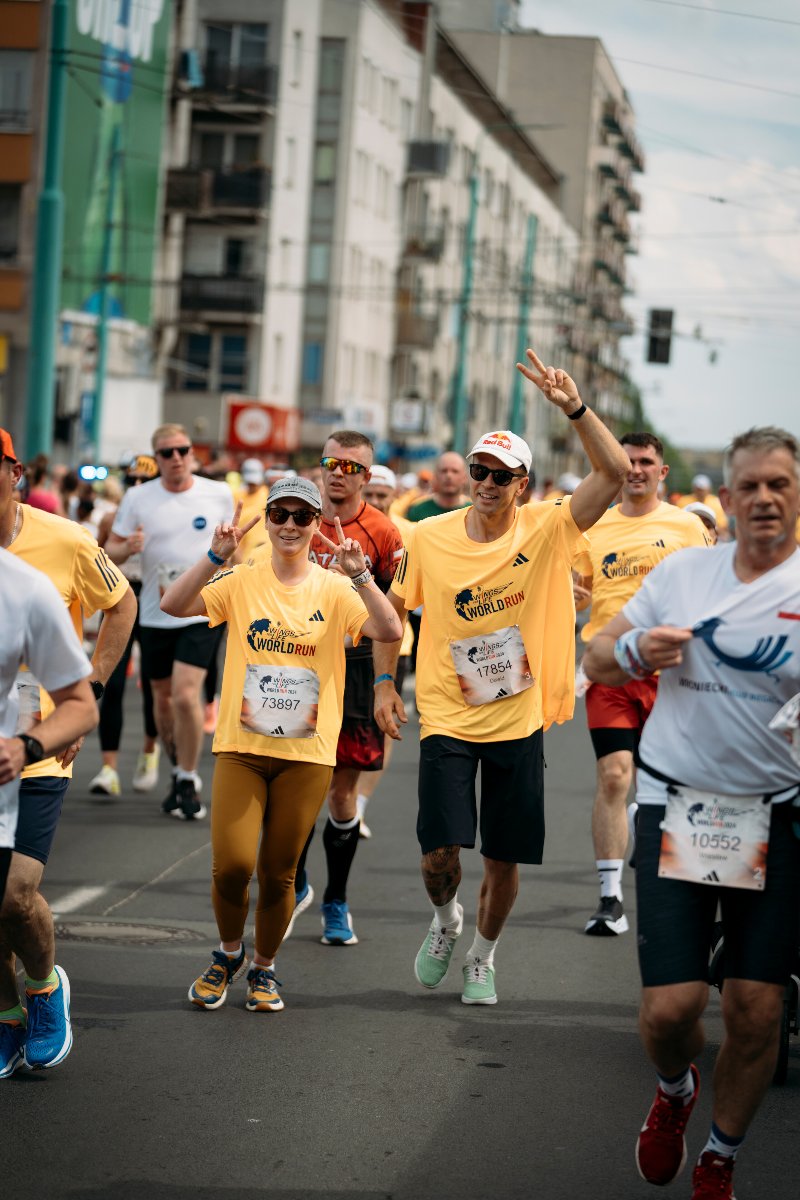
(680, 1086)
(361, 804)
(180, 775)
(610, 872)
(482, 949)
(345, 824)
(449, 915)
(231, 953)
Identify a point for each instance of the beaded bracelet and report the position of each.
(215, 559)
(362, 579)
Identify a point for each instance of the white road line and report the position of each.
(157, 879)
(77, 898)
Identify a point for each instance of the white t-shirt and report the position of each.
(709, 724)
(178, 527)
(37, 631)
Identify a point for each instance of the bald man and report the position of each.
(449, 489)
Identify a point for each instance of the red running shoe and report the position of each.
(661, 1146)
(712, 1178)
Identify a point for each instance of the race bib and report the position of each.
(167, 573)
(720, 840)
(280, 701)
(30, 701)
(492, 666)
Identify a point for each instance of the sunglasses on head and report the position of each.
(346, 465)
(502, 478)
(172, 450)
(302, 516)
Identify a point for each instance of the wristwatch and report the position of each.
(34, 750)
(98, 688)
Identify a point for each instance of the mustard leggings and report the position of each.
(279, 799)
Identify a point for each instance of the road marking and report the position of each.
(77, 898)
(156, 879)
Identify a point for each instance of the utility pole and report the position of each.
(47, 255)
(460, 398)
(102, 316)
(516, 419)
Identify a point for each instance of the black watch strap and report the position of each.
(98, 688)
(34, 750)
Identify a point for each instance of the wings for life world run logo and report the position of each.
(476, 602)
(265, 635)
(619, 566)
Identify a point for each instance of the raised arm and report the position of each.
(609, 462)
(182, 598)
(382, 624)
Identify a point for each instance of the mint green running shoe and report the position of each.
(478, 983)
(433, 957)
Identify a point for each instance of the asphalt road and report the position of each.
(365, 1087)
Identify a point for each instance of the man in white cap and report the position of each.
(707, 515)
(498, 645)
(701, 491)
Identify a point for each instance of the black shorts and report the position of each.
(360, 745)
(194, 645)
(40, 802)
(676, 918)
(512, 796)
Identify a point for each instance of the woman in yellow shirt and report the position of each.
(280, 713)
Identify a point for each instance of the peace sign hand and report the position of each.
(349, 554)
(554, 383)
(228, 536)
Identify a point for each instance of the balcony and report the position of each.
(202, 190)
(222, 294)
(428, 160)
(612, 118)
(242, 84)
(622, 231)
(629, 148)
(634, 201)
(425, 243)
(417, 330)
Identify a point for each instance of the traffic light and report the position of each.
(659, 335)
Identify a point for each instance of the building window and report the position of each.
(313, 353)
(324, 163)
(15, 88)
(277, 362)
(197, 362)
(406, 118)
(291, 161)
(331, 65)
(236, 55)
(213, 361)
(297, 57)
(319, 262)
(232, 362)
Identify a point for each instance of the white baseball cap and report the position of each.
(703, 511)
(702, 481)
(568, 482)
(381, 474)
(506, 446)
(252, 470)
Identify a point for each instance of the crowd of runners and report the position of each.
(283, 610)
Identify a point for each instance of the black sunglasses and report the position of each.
(501, 478)
(302, 516)
(172, 450)
(348, 466)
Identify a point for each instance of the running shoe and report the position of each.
(609, 919)
(171, 802)
(210, 715)
(49, 1039)
(145, 777)
(105, 783)
(433, 957)
(364, 830)
(189, 807)
(478, 983)
(12, 1047)
(337, 925)
(661, 1146)
(210, 990)
(262, 992)
(712, 1178)
(302, 900)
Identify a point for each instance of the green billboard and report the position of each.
(117, 64)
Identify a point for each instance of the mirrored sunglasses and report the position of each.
(346, 465)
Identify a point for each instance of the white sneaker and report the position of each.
(145, 777)
(105, 783)
(364, 830)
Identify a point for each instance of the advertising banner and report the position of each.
(260, 428)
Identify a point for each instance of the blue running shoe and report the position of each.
(49, 1039)
(302, 900)
(12, 1047)
(337, 925)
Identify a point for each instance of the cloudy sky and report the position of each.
(717, 102)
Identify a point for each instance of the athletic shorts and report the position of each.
(40, 801)
(512, 796)
(194, 645)
(360, 744)
(616, 715)
(676, 918)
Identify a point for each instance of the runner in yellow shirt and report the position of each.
(625, 545)
(498, 648)
(701, 491)
(280, 714)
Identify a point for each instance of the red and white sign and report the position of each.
(254, 427)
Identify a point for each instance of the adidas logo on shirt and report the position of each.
(661, 543)
(502, 693)
(277, 731)
(519, 560)
(317, 616)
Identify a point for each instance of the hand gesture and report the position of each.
(349, 554)
(554, 383)
(136, 540)
(227, 537)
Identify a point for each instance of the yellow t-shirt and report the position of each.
(284, 661)
(406, 530)
(252, 505)
(472, 590)
(713, 502)
(84, 576)
(624, 550)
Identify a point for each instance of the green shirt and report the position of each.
(431, 508)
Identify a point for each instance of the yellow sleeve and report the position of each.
(217, 596)
(408, 578)
(98, 584)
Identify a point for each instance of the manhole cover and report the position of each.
(118, 931)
